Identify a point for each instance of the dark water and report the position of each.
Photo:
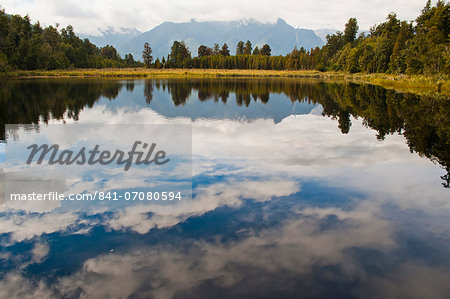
(301, 189)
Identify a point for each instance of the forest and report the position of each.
(26, 46)
(398, 47)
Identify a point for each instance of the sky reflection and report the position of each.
(284, 205)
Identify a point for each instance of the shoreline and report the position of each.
(422, 84)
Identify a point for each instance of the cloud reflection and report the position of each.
(239, 165)
(298, 249)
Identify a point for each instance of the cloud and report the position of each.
(299, 148)
(88, 16)
(14, 285)
(27, 226)
(414, 280)
(40, 252)
(300, 249)
(293, 248)
(209, 198)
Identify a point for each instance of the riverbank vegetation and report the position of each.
(419, 84)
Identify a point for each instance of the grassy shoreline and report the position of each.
(436, 84)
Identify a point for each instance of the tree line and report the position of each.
(394, 46)
(419, 47)
(27, 46)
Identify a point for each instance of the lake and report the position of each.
(295, 188)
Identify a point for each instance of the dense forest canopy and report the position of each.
(395, 46)
(420, 47)
(28, 46)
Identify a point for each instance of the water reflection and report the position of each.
(285, 204)
(423, 120)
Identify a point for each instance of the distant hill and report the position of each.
(281, 37)
(113, 37)
(322, 33)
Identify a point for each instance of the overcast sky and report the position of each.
(87, 16)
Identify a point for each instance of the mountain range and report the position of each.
(111, 36)
(281, 36)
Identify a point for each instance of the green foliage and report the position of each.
(179, 55)
(248, 48)
(130, 62)
(351, 29)
(204, 51)
(224, 51)
(265, 50)
(147, 55)
(393, 46)
(26, 46)
(428, 51)
(240, 48)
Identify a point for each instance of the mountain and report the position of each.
(110, 36)
(281, 36)
(322, 33)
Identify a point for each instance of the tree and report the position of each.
(179, 55)
(265, 50)
(248, 48)
(202, 51)
(225, 51)
(335, 43)
(109, 52)
(428, 51)
(147, 55)
(397, 62)
(216, 49)
(158, 64)
(351, 29)
(129, 60)
(256, 51)
(240, 48)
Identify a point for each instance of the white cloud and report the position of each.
(26, 227)
(208, 199)
(88, 16)
(40, 252)
(15, 285)
(295, 246)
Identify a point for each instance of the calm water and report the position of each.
(300, 189)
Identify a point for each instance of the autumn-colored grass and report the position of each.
(405, 83)
(163, 73)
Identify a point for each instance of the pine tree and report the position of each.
(265, 50)
(216, 49)
(248, 48)
(147, 55)
(202, 51)
(224, 51)
(240, 48)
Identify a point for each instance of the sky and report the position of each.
(90, 17)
